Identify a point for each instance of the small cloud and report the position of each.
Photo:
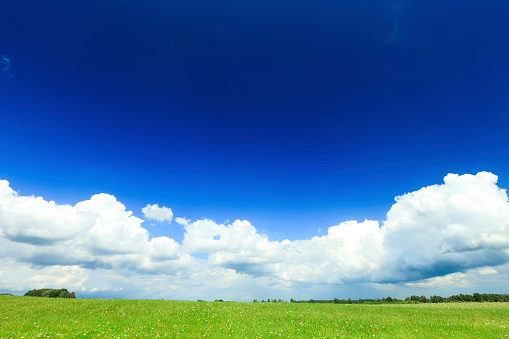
(6, 63)
(453, 279)
(395, 11)
(393, 38)
(487, 271)
(154, 212)
(182, 221)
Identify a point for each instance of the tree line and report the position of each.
(50, 293)
(414, 299)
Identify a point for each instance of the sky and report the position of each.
(254, 149)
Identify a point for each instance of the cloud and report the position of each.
(95, 233)
(453, 234)
(393, 38)
(394, 11)
(6, 64)
(457, 279)
(487, 271)
(442, 229)
(182, 221)
(438, 230)
(154, 212)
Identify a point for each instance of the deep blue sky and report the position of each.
(294, 115)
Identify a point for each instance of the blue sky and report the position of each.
(295, 115)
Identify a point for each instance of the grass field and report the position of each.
(31, 317)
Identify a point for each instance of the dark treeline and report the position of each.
(414, 299)
(50, 293)
(476, 297)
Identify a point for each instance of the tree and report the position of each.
(64, 294)
(50, 293)
(436, 299)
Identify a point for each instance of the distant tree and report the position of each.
(36, 293)
(50, 293)
(454, 298)
(64, 294)
(415, 298)
(291, 300)
(436, 299)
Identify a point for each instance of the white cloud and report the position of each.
(442, 236)
(154, 212)
(182, 221)
(456, 279)
(487, 271)
(442, 229)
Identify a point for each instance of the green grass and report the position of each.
(31, 317)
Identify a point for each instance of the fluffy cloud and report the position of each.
(154, 212)
(447, 228)
(96, 233)
(438, 230)
(452, 234)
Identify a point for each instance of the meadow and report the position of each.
(32, 317)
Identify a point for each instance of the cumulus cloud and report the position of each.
(94, 233)
(442, 229)
(450, 234)
(154, 212)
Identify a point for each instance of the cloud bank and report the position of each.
(450, 234)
